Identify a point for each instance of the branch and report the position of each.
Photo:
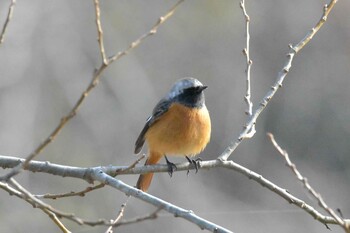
(280, 77)
(22, 193)
(153, 31)
(100, 32)
(150, 216)
(81, 193)
(308, 187)
(246, 52)
(85, 173)
(94, 82)
(119, 216)
(7, 21)
(99, 175)
(53, 213)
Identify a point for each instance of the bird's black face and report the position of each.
(192, 97)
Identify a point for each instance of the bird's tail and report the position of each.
(144, 180)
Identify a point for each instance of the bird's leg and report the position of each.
(171, 166)
(195, 162)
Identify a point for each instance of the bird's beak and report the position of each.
(203, 88)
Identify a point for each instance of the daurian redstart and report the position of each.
(179, 125)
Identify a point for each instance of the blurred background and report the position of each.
(48, 59)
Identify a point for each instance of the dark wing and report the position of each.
(161, 108)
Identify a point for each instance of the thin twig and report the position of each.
(94, 82)
(153, 31)
(278, 84)
(70, 194)
(123, 206)
(307, 185)
(18, 194)
(131, 166)
(7, 21)
(246, 52)
(100, 32)
(37, 203)
(150, 216)
(119, 216)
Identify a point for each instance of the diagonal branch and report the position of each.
(22, 193)
(307, 185)
(189, 215)
(7, 21)
(150, 216)
(53, 213)
(151, 32)
(119, 216)
(94, 82)
(81, 193)
(280, 77)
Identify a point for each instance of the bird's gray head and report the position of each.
(189, 92)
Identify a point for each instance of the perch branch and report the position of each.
(85, 174)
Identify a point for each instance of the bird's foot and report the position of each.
(195, 162)
(171, 167)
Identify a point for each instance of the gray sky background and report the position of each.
(48, 58)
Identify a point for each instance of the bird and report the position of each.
(179, 125)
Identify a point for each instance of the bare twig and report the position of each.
(18, 194)
(150, 216)
(85, 173)
(280, 77)
(307, 185)
(131, 166)
(26, 195)
(99, 31)
(7, 21)
(326, 10)
(70, 194)
(246, 52)
(94, 82)
(119, 216)
(53, 213)
(151, 32)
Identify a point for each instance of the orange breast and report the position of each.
(180, 131)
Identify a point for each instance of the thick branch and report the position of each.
(85, 173)
(189, 215)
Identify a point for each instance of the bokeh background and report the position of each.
(48, 58)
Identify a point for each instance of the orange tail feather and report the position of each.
(144, 180)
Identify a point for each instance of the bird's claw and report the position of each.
(171, 167)
(195, 162)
